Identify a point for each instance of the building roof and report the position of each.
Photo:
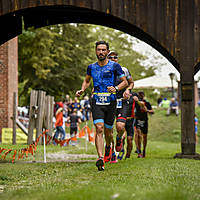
(155, 82)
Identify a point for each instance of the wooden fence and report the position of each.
(40, 116)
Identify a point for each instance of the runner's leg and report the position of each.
(108, 136)
(98, 120)
(110, 113)
(99, 140)
(120, 128)
(129, 146)
(113, 143)
(130, 133)
(144, 144)
(120, 125)
(138, 141)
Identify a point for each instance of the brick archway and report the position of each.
(171, 27)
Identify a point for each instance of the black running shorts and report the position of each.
(130, 127)
(142, 125)
(122, 112)
(104, 113)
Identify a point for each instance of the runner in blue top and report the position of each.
(103, 73)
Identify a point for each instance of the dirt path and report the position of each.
(63, 156)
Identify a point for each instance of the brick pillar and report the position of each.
(8, 81)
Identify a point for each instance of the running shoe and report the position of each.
(113, 158)
(121, 154)
(139, 155)
(100, 164)
(137, 151)
(108, 154)
(119, 144)
(127, 156)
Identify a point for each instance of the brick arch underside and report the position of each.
(49, 15)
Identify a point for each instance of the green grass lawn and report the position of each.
(158, 176)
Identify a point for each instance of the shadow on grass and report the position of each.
(5, 161)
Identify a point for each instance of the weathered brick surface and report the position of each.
(8, 81)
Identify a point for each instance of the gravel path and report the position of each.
(63, 156)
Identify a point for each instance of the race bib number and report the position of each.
(103, 99)
(119, 103)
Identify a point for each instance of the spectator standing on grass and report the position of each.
(66, 105)
(76, 104)
(59, 121)
(159, 101)
(82, 102)
(87, 107)
(74, 120)
(142, 123)
(70, 106)
(165, 103)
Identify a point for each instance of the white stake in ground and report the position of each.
(45, 158)
(86, 136)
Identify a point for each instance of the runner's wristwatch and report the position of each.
(116, 87)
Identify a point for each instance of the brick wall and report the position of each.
(8, 81)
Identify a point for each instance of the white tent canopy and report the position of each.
(155, 82)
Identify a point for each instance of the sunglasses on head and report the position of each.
(110, 57)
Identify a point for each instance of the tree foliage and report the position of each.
(55, 58)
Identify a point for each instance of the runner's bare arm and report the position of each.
(85, 85)
(140, 103)
(130, 84)
(121, 86)
(127, 93)
(150, 111)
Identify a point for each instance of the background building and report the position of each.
(8, 81)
